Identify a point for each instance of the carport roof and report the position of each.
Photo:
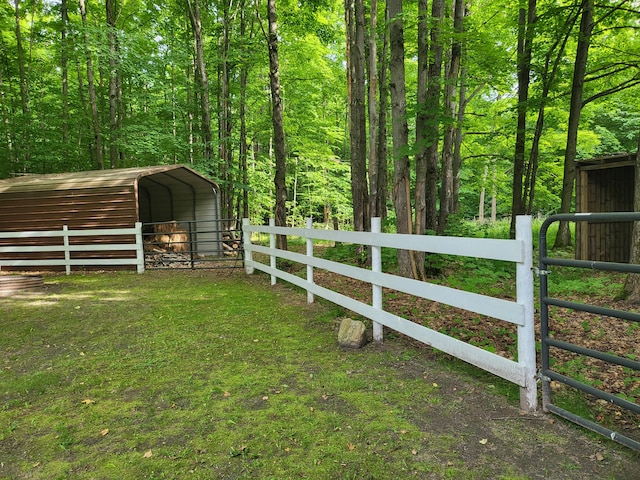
(98, 179)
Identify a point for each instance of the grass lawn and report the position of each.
(204, 375)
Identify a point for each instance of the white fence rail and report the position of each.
(519, 312)
(68, 248)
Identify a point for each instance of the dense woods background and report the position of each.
(413, 111)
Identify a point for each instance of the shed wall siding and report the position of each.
(601, 189)
(87, 208)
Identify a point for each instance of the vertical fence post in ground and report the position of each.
(272, 246)
(248, 254)
(139, 248)
(526, 332)
(376, 266)
(67, 254)
(309, 254)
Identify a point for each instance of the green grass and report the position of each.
(175, 374)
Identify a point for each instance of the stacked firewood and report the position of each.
(230, 244)
(168, 237)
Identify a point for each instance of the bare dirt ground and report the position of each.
(486, 427)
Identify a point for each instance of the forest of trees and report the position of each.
(413, 111)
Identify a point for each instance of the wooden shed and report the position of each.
(115, 198)
(605, 184)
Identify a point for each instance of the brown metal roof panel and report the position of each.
(92, 179)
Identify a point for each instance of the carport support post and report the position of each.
(248, 254)
(272, 246)
(526, 331)
(310, 255)
(376, 267)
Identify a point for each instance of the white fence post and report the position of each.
(139, 247)
(376, 266)
(272, 246)
(310, 255)
(248, 254)
(526, 332)
(67, 254)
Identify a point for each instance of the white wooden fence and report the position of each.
(69, 248)
(519, 312)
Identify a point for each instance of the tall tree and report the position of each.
(93, 99)
(432, 111)
(400, 133)
(526, 26)
(354, 13)
(225, 123)
(552, 59)
(375, 207)
(632, 284)
(450, 112)
(112, 18)
(278, 123)
(64, 71)
(563, 238)
(25, 150)
(205, 104)
(381, 142)
(422, 127)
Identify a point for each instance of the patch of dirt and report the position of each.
(483, 425)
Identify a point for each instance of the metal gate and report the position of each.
(549, 344)
(204, 244)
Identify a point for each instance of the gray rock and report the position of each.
(352, 333)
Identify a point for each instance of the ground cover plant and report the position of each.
(182, 374)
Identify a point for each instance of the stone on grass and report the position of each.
(352, 334)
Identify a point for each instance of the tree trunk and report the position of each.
(382, 124)
(278, 127)
(95, 120)
(450, 107)
(112, 16)
(400, 132)
(374, 169)
(526, 20)
(225, 125)
(6, 167)
(563, 238)
(243, 153)
(64, 20)
(421, 156)
(196, 26)
(548, 77)
(458, 136)
(25, 122)
(432, 109)
(632, 284)
(357, 118)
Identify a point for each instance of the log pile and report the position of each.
(168, 237)
(230, 244)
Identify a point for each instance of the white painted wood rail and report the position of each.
(68, 248)
(519, 312)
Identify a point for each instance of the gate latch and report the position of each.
(539, 272)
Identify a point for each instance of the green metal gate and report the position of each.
(549, 344)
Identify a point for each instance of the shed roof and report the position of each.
(97, 179)
(611, 160)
